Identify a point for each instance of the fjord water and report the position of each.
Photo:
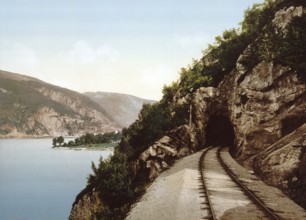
(41, 183)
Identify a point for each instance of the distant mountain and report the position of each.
(123, 108)
(30, 107)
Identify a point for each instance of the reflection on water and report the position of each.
(38, 182)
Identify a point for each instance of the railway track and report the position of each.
(225, 196)
(199, 187)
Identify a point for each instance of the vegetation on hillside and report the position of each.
(287, 47)
(20, 100)
(264, 44)
(111, 179)
(88, 140)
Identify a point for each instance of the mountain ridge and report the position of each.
(30, 107)
(124, 107)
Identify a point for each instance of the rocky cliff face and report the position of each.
(98, 119)
(266, 109)
(85, 207)
(178, 143)
(283, 164)
(258, 112)
(260, 105)
(250, 111)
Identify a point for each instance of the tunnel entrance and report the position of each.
(220, 132)
(292, 123)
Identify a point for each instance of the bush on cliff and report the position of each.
(265, 44)
(112, 182)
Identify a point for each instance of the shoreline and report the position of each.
(85, 148)
(33, 137)
(80, 148)
(103, 146)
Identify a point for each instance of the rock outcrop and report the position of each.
(285, 15)
(283, 164)
(259, 104)
(86, 206)
(178, 143)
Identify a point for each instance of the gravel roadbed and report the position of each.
(272, 197)
(175, 194)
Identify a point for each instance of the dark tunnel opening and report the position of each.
(292, 123)
(220, 132)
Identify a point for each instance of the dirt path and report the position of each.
(175, 194)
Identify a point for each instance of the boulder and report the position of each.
(162, 154)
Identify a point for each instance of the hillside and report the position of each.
(123, 108)
(30, 107)
(247, 92)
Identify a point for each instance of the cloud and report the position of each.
(198, 39)
(159, 75)
(153, 80)
(84, 67)
(18, 57)
(84, 53)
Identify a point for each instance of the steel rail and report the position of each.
(201, 167)
(270, 214)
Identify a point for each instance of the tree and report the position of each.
(82, 139)
(77, 141)
(89, 138)
(112, 178)
(54, 142)
(71, 143)
(60, 140)
(112, 182)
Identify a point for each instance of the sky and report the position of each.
(125, 46)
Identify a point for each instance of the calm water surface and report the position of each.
(41, 183)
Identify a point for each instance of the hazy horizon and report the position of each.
(120, 46)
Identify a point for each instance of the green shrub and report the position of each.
(111, 180)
